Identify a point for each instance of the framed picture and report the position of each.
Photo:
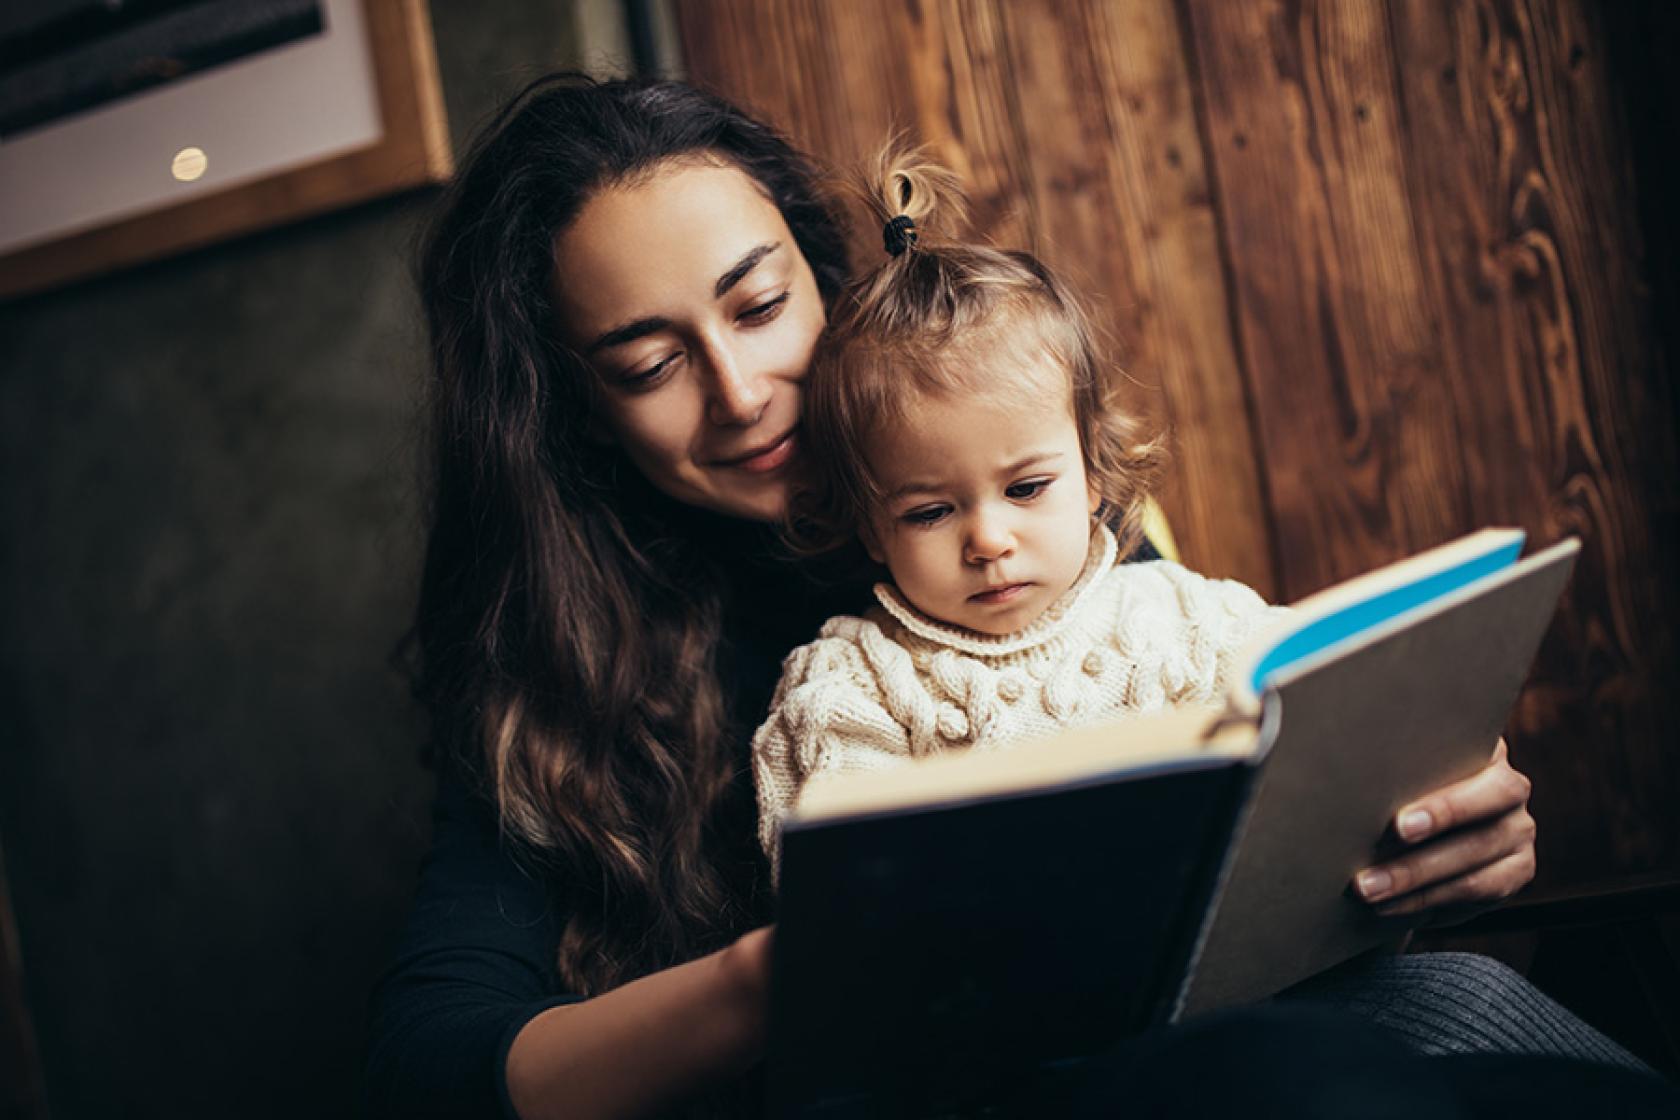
(191, 133)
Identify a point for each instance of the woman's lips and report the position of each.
(1004, 594)
(765, 460)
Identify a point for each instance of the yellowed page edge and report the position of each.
(1059, 760)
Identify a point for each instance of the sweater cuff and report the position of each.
(506, 1044)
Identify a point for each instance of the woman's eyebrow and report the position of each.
(629, 332)
(641, 328)
(738, 271)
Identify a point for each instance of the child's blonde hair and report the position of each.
(914, 325)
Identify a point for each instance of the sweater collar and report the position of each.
(1056, 620)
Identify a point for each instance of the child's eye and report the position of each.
(925, 515)
(1028, 490)
(760, 313)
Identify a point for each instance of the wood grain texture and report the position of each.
(1115, 185)
(1377, 265)
(1444, 326)
(1338, 339)
(1074, 130)
(414, 151)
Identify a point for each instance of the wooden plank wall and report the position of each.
(1075, 132)
(1375, 266)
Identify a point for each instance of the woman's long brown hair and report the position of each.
(568, 627)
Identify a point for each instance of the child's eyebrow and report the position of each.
(1036, 459)
(919, 486)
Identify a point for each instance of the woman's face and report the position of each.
(687, 295)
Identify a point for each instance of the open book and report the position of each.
(971, 920)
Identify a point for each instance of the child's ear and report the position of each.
(1094, 499)
(872, 544)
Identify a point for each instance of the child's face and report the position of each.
(987, 516)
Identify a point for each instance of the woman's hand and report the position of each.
(1472, 847)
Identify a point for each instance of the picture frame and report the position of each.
(399, 141)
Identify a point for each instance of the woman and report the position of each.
(623, 291)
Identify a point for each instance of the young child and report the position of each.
(958, 420)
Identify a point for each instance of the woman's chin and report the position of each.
(764, 502)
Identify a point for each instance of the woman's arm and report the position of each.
(1472, 848)
(648, 1043)
(474, 978)
(474, 964)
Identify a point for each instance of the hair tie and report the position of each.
(899, 235)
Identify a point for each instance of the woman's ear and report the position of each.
(598, 433)
(1094, 499)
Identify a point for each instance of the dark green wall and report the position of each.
(210, 801)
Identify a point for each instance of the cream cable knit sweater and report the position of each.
(872, 693)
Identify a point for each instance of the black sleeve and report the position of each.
(1143, 553)
(475, 964)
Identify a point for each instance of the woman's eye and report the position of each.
(926, 515)
(647, 378)
(764, 312)
(1028, 490)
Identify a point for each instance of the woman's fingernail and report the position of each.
(1413, 823)
(1374, 884)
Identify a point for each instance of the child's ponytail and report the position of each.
(913, 198)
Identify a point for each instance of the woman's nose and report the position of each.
(989, 539)
(736, 392)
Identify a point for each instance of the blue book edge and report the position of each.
(1356, 618)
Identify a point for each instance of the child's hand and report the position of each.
(1472, 848)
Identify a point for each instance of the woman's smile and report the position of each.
(764, 458)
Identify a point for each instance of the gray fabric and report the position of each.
(1459, 1003)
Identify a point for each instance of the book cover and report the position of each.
(947, 930)
(928, 957)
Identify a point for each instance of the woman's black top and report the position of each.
(476, 961)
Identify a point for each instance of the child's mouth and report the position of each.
(1002, 594)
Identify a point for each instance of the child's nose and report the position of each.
(989, 539)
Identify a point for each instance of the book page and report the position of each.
(1131, 745)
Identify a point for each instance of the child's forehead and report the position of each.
(1006, 369)
(957, 431)
(1032, 406)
